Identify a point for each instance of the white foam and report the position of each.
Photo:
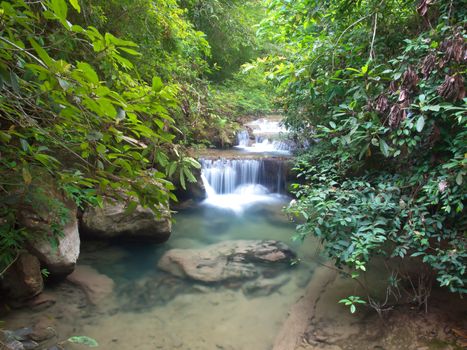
(241, 199)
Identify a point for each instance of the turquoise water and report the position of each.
(205, 317)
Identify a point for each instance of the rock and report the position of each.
(30, 345)
(113, 221)
(194, 190)
(151, 291)
(264, 287)
(95, 285)
(60, 257)
(42, 302)
(225, 261)
(14, 345)
(22, 334)
(43, 330)
(23, 280)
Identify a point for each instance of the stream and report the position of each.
(151, 309)
(131, 301)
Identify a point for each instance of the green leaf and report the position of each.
(24, 145)
(182, 179)
(433, 108)
(157, 84)
(420, 123)
(4, 137)
(383, 146)
(130, 51)
(111, 39)
(459, 178)
(59, 8)
(131, 207)
(88, 72)
(353, 309)
(84, 340)
(75, 4)
(14, 82)
(43, 55)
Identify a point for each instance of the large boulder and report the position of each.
(226, 261)
(114, 221)
(52, 221)
(23, 279)
(58, 252)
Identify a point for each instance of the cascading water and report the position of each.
(243, 138)
(270, 137)
(236, 183)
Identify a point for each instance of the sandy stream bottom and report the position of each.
(223, 319)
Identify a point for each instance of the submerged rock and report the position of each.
(113, 221)
(43, 330)
(41, 302)
(264, 287)
(14, 345)
(23, 280)
(155, 290)
(225, 261)
(96, 286)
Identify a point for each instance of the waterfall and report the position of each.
(243, 138)
(270, 137)
(226, 176)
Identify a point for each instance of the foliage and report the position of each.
(102, 98)
(351, 302)
(229, 26)
(380, 90)
(73, 106)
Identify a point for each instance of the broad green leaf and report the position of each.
(111, 39)
(433, 108)
(43, 55)
(420, 123)
(130, 51)
(88, 72)
(459, 178)
(157, 84)
(75, 4)
(383, 146)
(59, 8)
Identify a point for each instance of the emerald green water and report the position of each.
(150, 309)
(170, 315)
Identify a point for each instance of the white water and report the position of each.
(268, 135)
(243, 138)
(236, 184)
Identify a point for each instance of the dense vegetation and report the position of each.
(379, 86)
